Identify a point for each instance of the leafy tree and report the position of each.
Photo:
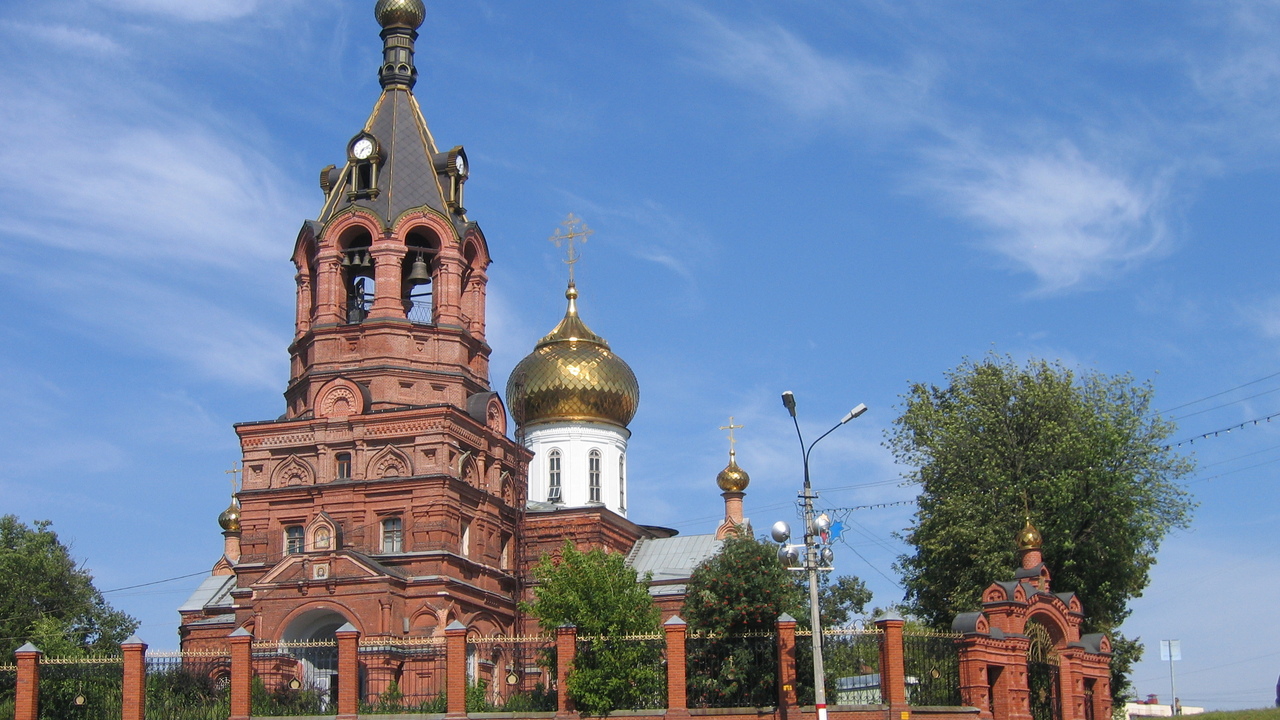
(605, 599)
(841, 598)
(47, 599)
(1081, 451)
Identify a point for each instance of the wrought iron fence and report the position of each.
(418, 309)
(738, 670)
(294, 678)
(932, 664)
(851, 660)
(81, 688)
(644, 656)
(409, 675)
(511, 674)
(188, 686)
(8, 686)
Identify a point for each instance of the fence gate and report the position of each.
(1042, 674)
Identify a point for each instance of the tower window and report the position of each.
(466, 538)
(344, 466)
(553, 477)
(622, 482)
(392, 535)
(293, 539)
(593, 475)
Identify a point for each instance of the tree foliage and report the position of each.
(606, 600)
(1081, 452)
(47, 599)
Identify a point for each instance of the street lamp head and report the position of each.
(856, 412)
(789, 402)
(788, 555)
(781, 532)
(828, 557)
(821, 524)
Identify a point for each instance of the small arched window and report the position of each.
(593, 475)
(293, 543)
(553, 477)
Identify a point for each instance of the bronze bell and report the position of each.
(420, 273)
(346, 259)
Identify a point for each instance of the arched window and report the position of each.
(358, 275)
(344, 465)
(622, 482)
(293, 539)
(593, 475)
(392, 535)
(553, 477)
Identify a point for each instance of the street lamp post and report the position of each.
(815, 556)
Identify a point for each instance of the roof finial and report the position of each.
(733, 442)
(234, 472)
(400, 20)
(733, 479)
(574, 230)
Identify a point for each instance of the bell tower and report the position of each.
(387, 495)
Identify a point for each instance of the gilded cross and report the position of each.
(731, 427)
(573, 230)
(234, 472)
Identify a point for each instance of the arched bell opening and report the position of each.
(420, 267)
(357, 275)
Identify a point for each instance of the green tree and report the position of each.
(49, 600)
(607, 601)
(1083, 452)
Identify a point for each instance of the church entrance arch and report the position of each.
(1043, 673)
(310, 640)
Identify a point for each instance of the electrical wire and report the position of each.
(1217, 394)
(1228, 404)
(1214, 433)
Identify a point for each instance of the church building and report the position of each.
(390, 494)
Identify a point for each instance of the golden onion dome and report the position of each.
(230, 518)
(572, 375)
(733, 478)
(400, 13)
(1029, 537)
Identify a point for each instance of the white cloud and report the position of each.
(1055, 213)
(64, 37)
(193, 10)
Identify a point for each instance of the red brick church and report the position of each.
(389, 494)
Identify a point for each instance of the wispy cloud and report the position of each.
(64, 37)
(1055, 213)
(192, 10)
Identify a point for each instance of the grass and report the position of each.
(1257, 714)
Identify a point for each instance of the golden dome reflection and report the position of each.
(572, 375)
(400, 13)
(733, 478)
(230, 518)
(1029, 537)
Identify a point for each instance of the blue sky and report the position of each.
(831, 198)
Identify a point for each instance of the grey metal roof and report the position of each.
(672, 558)
(223, 619)
(214, 591)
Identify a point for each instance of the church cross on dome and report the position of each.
(733, 441)
(234, 472)
(575, 230)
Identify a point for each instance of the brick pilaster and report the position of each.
(566, 653)
(677, 683)
(134, 688)
(348, 672)
(27, 703)
(788, 705)
(455, 653)
(893, 672)
(241, 673)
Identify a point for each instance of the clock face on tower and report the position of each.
(460, 163)
(362, 148)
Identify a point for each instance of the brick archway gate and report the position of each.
(1043, 673)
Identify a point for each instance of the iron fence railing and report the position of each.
(511, 674)
(81, 688)
(8, 687)
(736, 670)
(851, 660)
(294, 678)
(408, 675)
(188, 686)
(932, 666)
(643, 655)
(418, 310)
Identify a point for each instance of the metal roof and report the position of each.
(672, 558)
(214, 591)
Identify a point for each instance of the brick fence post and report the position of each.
(787, 702)
(241, 673)
(134, 689)
(677, 677)
(893, 670)
(455, 653)
(348, 672)
(27, 702)
(566, 653)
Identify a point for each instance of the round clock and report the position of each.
(460, 163)
(363, 148)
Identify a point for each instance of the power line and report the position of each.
(156, 582)
(1214, 433)
(1218, 394)
(1227, 404)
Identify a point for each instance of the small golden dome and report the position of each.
(400, 13)
(572, 375)
(733, 478)
(230, 518)
(1029, 537)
